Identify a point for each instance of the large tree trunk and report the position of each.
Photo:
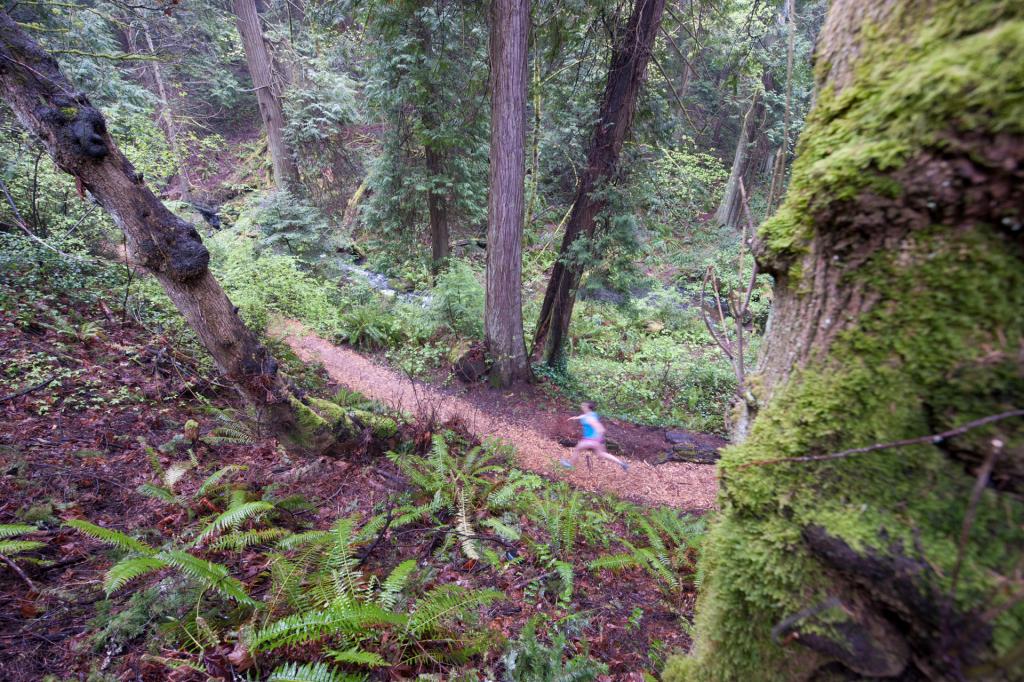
(898, 257)
(630, 54)
(503, 317)
(75, 135)
(269, 90)
(437, 197)
(437, 208)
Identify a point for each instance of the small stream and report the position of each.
(382, 285)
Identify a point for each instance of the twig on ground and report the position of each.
(380, 536)
(933, 439)
(30, 389)
(21, 574)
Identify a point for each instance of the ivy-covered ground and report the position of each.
(160, 536)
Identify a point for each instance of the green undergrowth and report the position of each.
(408, 583)
(938, 348)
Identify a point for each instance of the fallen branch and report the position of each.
(30, 389)
(931, 439)
(17, 569)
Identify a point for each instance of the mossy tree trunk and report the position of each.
(75, 135)
(898, 257)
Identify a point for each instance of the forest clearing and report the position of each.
(512, 341)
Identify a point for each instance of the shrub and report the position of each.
(458, 300)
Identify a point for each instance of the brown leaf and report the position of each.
(240, 657)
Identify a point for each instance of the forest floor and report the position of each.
(80, 446)
(535, 426)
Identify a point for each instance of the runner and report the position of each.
(593, 439)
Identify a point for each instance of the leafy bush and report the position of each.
(686, 183)
(528, 660)
(319, 106)
(459, 300)
(288, 224)
(264, 284)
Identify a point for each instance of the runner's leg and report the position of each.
(602, 452)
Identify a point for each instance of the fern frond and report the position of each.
(502, 529)
(342, 561)
(233, 516)
(356, 656)
(9, 530)
(657, 567)
(128, 569)
(447, 602)
(512, 490)
(311, 626)
(614, 562)
(411, 514)
(214, 478)
(111, 537)
(12, 547)
(570, 514)
(158, 492)
(174, 473)
(395, 583)
(297, 540)
(372, 527)
(465, 530)
(240, 540)
(207, 573)
(565, 574)
(310, 672)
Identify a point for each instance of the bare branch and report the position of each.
(933, 439)
(707, 320)
(972, 509)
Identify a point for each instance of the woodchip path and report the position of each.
(691, 487)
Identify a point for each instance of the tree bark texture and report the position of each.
(898, 258)
(503, 317)
(75, 135)
(730, 209)
(269, 90)
(437, 208)
(630, 55)
(437, 198)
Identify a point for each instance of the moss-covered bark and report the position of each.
(899, 265)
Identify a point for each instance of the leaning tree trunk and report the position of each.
(503, 317)
(730, 209)
(898, 258)
(75, 135)
(630, 54)
(268, 91)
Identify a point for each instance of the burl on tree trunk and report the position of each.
(76, 136)
(898, 258)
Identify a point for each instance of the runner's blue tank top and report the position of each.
(588, 427)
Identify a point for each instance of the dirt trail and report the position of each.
(685, 486)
